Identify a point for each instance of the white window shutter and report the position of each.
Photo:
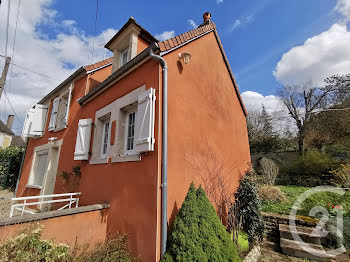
(54, 111)
(68, 104)
(82, 144)
(28, 123)
(39, 120)
(144, 127)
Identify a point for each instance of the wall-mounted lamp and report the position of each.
(52, 140)
(185, 57)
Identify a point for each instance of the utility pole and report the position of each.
(4, 74)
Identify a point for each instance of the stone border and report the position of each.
(253, 255)
(51, 214)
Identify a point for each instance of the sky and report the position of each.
(269, 43)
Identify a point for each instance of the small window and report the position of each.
(41, 168)
(105, 137)
(124, 57)
(130, 132)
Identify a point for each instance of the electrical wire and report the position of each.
(13, 46)
(8, 100)
(93, 41)
(7, 25)
(40, 74)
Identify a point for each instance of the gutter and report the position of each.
(164, 184)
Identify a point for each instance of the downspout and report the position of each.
(164, 184)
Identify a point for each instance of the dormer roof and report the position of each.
(144, 34)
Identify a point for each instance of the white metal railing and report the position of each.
(41, 200)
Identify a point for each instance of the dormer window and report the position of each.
(124, 57)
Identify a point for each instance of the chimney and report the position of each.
(10, 121)
(207, 18)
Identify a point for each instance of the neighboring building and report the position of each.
(7, 137)
(107, 119)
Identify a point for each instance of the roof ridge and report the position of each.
(98, 64)
(185, 37)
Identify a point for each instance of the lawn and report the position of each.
(324, 199)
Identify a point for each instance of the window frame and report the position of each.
(104, 133)
(65, 96)
(121, 61)
(127, 115)
(36, 172)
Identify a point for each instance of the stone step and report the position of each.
(266, 244)
(300, 249)
(305, 233)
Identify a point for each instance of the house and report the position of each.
(7, 137)
(137, 124)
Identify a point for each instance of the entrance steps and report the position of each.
(310, 247)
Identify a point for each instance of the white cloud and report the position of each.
(192, 23)
(281, 120)
(165, 35)
(254, 101)
(219, 1)
(319, 57)
(343, 7)
(242, 22)
(237, 24)
(57, 55)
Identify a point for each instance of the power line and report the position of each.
(19, 120)
(7, 26)
(40, 74)
(93, 40)
(14, 44)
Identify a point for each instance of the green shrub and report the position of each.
(248, 209)
(28, 247)
(198, 234)
(312, 169)
(333, 239)
(14, 156)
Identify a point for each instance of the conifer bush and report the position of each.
(248, 206)
(198, 234)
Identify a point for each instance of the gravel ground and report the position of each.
(5, 203)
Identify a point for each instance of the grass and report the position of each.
(323, 199)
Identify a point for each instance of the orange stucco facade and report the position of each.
(204, 113)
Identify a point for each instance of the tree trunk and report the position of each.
(301, 137)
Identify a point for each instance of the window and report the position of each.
(124, 57)
(105, 141)
(124, 128)
(130, 132)
(41, 168)
(60, 111)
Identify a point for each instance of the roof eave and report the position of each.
(65, 82)
(144, 34)
(132, 63)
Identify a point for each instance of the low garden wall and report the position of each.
(273, 220)
(82, 225)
